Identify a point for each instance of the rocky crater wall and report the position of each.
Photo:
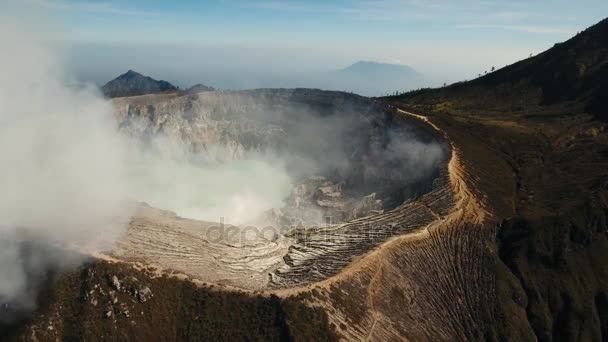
(340, 150)
(358, 175)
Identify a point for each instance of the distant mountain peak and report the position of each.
(133, 83)
(199, 88)
(363, 67)
(131, 73)
(377, 78)
(370, 62)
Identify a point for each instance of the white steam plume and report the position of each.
(62, 176)
(237, 190)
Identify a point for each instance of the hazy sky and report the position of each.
(448, 40)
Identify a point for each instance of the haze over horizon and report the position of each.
(242, 44)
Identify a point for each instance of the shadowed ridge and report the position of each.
(573, 73)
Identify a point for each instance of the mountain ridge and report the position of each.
(376, 78)
(573, 73)
(133, 83)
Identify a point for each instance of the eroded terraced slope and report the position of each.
(436, 284)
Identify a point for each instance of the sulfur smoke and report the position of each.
(70, 181)
(236, 191)
(62, 167)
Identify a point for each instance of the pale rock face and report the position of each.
(191, 124)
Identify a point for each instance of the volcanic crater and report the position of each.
(359, 174)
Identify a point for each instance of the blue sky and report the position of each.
(456, 39)
(313, 21)
(325, 21)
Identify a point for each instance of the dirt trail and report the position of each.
(431, 284)
(468, 208)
